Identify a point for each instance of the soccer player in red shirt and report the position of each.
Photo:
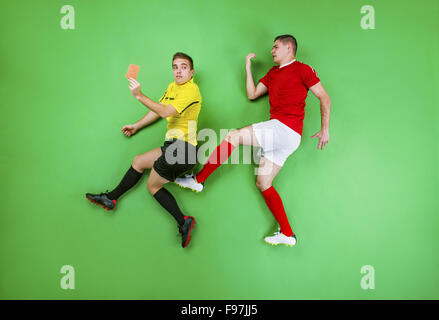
(287, 84)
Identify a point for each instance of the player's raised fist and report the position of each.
(248, 59)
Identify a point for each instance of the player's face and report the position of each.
(182, 70)
(280, 51)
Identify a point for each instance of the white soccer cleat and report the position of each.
(189, 182)
(280, 238)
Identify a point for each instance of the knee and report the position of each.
(137, 164)
(152, 188)
(233, 137)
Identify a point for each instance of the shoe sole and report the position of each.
(183, 187)
(275, 244)
(99, 204)
(189, 236)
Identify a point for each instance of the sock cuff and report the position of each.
(160, 192)
(135, 171)
(269, 191)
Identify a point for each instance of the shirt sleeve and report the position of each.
(309, 76)
(264, 79)
(163, 96)
(184, 100)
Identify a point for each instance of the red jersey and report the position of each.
(287, 89)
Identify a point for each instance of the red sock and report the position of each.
(218, 156)
(274, 203)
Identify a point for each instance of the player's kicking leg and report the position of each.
(243, 136)
(108, 200)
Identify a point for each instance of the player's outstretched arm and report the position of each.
(325, 109)
(149, 118)
(253, 92)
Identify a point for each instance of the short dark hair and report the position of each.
(183, 56)
(288, 38)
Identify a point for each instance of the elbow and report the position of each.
(326, 100)
(165, 112)
(251, 96)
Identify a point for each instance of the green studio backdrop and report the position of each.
(368, 199)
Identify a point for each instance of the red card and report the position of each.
(132, 71)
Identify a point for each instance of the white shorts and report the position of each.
(276, 139)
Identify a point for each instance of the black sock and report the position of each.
(165, 198)
(128, 181)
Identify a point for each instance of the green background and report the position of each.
(369, 198)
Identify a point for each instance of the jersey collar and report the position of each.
(186, 83)
(286, 64)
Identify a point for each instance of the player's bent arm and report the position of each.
(253, 92)
(325, 103)
(160, 109)
(260, 90)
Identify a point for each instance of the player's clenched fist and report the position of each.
(248, 59)
(134, 87)
(129, 130)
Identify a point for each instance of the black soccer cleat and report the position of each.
(102, 200)
(186, 230)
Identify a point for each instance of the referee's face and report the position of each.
(280, 52)
(182, 70)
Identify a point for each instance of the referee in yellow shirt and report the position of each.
(180, 105)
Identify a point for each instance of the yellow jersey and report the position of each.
(186, 99)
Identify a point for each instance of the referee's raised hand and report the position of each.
(134, 87)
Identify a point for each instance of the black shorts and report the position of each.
(177, 157)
